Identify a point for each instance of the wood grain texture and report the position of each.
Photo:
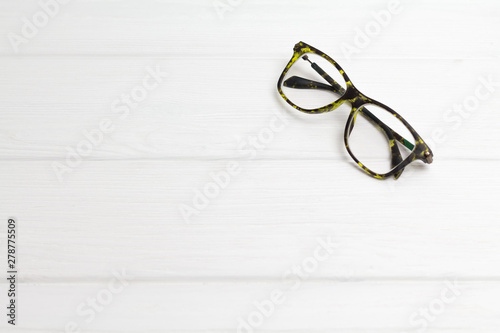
(171, 123)
(219, 306)
(397, 242)
(447, 29)
(127, 214)
(197, 120)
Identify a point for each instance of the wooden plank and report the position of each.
(253, 27)
(142, 215)
(203, 111)
(335, 307)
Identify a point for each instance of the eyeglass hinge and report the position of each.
(428, 157)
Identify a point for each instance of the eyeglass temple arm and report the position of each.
(337, 88)
(301, 83)
(364, 111)
(324, 75)
(396, 158)
(396, 154)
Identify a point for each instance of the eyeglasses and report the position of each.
(380, 141)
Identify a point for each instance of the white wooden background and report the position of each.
(398, 242)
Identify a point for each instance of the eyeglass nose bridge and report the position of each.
(353, 96)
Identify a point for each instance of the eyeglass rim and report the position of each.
(356, 99)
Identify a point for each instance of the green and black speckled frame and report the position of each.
(357, 99)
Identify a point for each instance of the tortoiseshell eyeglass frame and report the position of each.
(419, 150)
